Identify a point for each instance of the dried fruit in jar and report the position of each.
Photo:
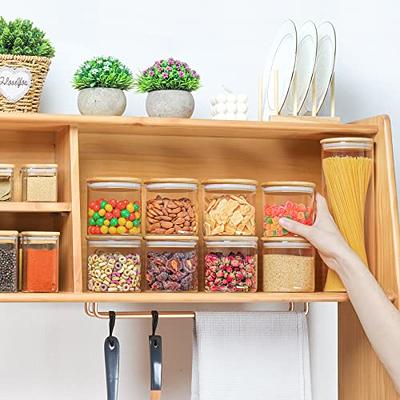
(229, 215)
(171, 271)
(297, 211)
(167, 216)
(234, 272)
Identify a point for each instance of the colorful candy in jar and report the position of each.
(296, 211)
(114, 217)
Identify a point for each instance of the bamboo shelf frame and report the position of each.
(151, 147)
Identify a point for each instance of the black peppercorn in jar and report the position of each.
(8, 261)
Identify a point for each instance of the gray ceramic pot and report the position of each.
(170, 104)
(101, 101)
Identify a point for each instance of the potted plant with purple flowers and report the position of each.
(169, 84)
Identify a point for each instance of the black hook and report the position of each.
(154, 322)
(111, 315)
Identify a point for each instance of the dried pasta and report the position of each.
(347, 180)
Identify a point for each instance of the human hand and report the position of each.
(324, 235)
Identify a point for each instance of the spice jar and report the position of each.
(114, 264)
(171, 263)
(114, 206)
(39, 182)
(289, 199)
(6, 182)
(230, 264)
(40, 261)
(288, 265)
(8, 261)
(229, 207)
(171, 206)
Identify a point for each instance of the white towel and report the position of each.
(251, 356)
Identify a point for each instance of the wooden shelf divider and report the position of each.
(34, 207)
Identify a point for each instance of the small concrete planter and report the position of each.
(101, 101)
(170, 104)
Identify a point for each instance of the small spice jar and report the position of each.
(289, 199)
(114, 206)
(171, 206)
(40, 261)
(7, 182)
(288, 265)
(39, 182)
(8, 261)
(114, 263)
(171, 263)
(230, 264)
(229, 207)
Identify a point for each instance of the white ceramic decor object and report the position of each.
(228, 106)
(280, 69)
(304, 69)
(324, 67)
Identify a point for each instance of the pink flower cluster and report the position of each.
(235, 272)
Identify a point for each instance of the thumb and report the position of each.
(295, 227)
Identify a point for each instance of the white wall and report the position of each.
(52, 351)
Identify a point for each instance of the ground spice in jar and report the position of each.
(41, 188)
(8, 268)
(40, 270)
(288, 273)
(5, 188)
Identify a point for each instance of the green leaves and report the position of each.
(169, 74)
(20, 37)
(107, 72)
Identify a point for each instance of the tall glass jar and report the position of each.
(289, 199)
(39, 182)
(230, 264)
(347, 147)
(171, 263)
(288, 265)
(114, 263)
(7, 182)
(40, 261)
(114, 206)
(229, 207)
(8, 261)
(171, 206)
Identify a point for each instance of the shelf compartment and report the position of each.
(174, 298)
(34, 207)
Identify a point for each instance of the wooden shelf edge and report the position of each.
(174, 298)
(34, 207)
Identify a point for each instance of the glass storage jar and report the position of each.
(230, 264)
(40, 261)
(289, 199)
(229, 207)
(171, 206)
(7, 182)
(8, 261)
(347, 147)
(114, 263)
(171, 263)
(288, 265)
(114, 206)
(39, 182)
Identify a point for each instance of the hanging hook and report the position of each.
(154, 321)
(111, 325)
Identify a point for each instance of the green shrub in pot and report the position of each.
(169, 84)
(25, 56)
(101, 82)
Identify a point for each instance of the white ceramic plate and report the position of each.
(307, 41)
(282, 59)
(324, 67)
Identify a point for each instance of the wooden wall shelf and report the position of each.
(24, 207)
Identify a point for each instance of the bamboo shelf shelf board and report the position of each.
(37, 207)
(174, 298)
(39, 123)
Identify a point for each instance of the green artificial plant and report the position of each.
(168, 74)
(105, 72)
(21, 38)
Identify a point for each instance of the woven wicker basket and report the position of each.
(38, 67)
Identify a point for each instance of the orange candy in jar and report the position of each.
(287, 199)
